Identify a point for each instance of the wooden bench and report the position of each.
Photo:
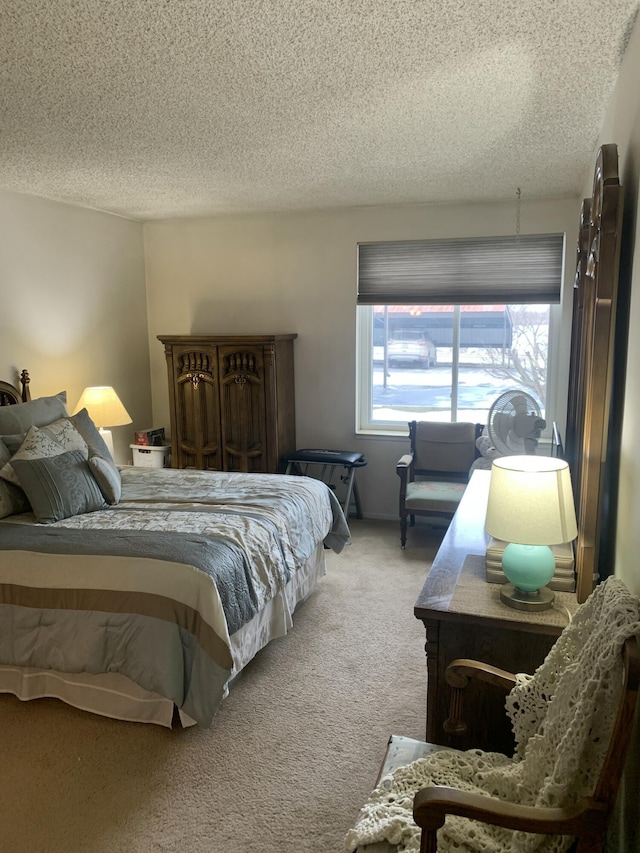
(328, 461)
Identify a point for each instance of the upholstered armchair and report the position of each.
(434, 474)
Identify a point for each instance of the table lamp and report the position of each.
(530, 507)
(105, 410)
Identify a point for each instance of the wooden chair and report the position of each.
(586, 820)
(434, 474)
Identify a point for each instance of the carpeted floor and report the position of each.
(292, 753)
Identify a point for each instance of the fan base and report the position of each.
(540, 599)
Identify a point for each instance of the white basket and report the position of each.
(151, 456)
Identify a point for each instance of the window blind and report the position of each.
(464, 271)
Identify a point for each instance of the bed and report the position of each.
(145, 607)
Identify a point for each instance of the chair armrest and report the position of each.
(404, 470)
(458, 675)
(460, 671)
(432, 804)
(404, 462)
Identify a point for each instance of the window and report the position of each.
(425, 359)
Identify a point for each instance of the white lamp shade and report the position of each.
(104, 406)
(531, 501)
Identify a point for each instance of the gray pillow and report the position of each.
(13, 442)
(12, 498)
(107, 476)
(40, 412)
(37, 443)
(65, 433)
(60, 486)
(89, 431)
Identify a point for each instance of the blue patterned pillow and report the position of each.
(108, 477)
(37, 443)
(65, 433)
(59, 486)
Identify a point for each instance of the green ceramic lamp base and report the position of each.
(528, 568)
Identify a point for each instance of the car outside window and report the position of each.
(406, 347)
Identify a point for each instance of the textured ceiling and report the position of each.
(163, 108)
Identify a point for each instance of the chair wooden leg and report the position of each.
(403, 531)
(356, 496)
(429, 841)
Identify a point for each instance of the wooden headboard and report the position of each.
(590, 444)
(9, 394)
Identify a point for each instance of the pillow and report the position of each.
(107, 477)
(89, 431)
(40, 412)
(59, 486)
(65, 433)
(36, 445)
(13, 442)
(12, 499)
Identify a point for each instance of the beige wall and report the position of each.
(74, 303)
(297, 273)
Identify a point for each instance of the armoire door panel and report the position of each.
(198, 418)
(242, 409)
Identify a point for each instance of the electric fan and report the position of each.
(515, 423)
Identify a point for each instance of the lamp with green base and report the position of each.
(530, 507)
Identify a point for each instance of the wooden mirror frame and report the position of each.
(589, 401)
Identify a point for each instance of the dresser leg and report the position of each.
(431, 647)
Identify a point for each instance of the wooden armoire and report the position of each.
(231, 401)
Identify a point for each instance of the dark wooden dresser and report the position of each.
(464, 618)
(231, 401)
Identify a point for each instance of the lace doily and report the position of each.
(562, 717)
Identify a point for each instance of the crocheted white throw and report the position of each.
(562, 717)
